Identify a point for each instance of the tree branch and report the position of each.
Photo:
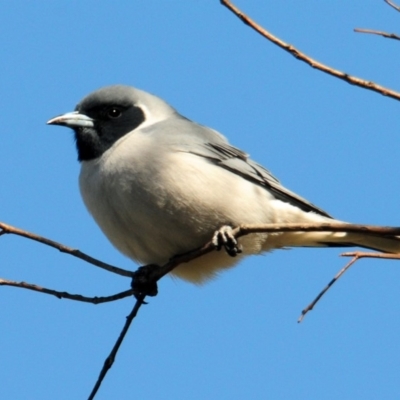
(239, 231)
(111, 358)
(158, 273)
(380, 33)
(326, 288)
(244, 230)
(8, 229)
(362, 254)
(66, 295)
(356, 256)
(392, 5)
(353, 80)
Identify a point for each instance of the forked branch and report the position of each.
(353, 80)
(158, 273)
(239, 231)
(356, 256)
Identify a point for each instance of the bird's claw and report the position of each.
(143, 282)
(224, 237)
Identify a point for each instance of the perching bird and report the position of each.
(159, 185)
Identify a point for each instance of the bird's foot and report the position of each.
(143, 282)
(224, 237)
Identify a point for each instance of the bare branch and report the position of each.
(362, 254)
(111, 358)
(66, 295)
(356, 256)
(242, 230)
(326, 288)
(380, 33)
(392, 5)
(353, 80)
(8, 229)
(158, 273)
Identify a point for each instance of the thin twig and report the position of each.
(362, 254)
(66, 295)
(8, 229)
(157, 275)
(392, 5)
(111, 358)
(356, 256)
(353, 80)
(326, 288)
(380, 33)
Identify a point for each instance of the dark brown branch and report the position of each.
(111, 358)
(65, 295)
(380, 33)
(353, 80)
(8, 229)
(392, 5)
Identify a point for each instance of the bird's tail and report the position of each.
(336, 239)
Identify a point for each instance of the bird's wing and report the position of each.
(238, 162)
(181, 134)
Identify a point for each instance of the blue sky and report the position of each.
(237, 337)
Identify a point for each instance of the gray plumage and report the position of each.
(159, 185)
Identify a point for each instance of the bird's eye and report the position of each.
(114, 112)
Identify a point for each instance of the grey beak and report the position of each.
(72, 120)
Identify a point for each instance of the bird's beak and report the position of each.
(72, 120)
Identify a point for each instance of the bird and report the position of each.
(159, 185)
